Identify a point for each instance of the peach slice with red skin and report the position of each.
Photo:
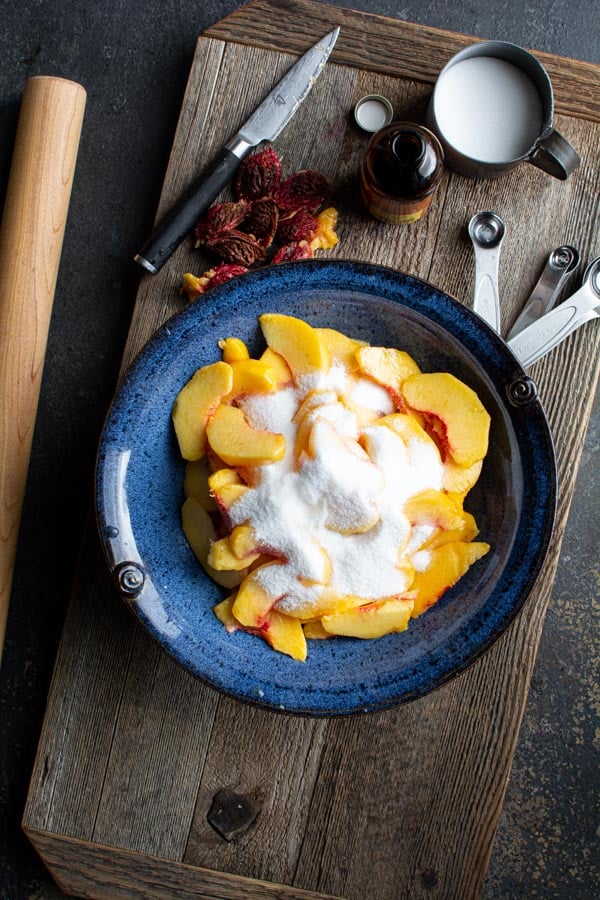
(389, 368)
(253, 602)
(195, 403)
(282, 633)
(297, 341)
(372, 620)
(407, 427)
(448, 563)
(222, 558)
(466, 531)
(237, 443)
(225, 495)
(454, 415)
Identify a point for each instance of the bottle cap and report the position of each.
(373, 112)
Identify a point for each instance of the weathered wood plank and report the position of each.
(83, 703)
(87, 869)
(380, 44)
(273, 760)
(402, 803)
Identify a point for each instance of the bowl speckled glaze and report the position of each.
(140, 474)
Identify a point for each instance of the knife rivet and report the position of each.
(522, 391)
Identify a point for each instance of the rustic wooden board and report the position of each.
(401, 803)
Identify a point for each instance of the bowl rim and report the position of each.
(314, 276)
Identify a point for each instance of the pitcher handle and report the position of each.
(555, 156)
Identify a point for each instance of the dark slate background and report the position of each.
(133, 59)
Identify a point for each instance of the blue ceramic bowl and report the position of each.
(140, 475)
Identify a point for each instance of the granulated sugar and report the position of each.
(335, 516)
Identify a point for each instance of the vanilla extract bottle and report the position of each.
(400, 173)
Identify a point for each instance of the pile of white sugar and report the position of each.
(335, 517)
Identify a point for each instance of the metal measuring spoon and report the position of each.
(486, 230)
(538, 339)
(561, 264)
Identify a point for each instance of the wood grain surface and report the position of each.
(396, 804)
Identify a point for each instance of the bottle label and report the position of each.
(393, 210)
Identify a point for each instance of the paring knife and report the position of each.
(264, 124)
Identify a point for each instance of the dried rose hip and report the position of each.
(237, 248)
(303, 190)
(258, 176)
(220, 219)
(262, 220)
(222, 273)
(301, 226)
(292, 252)
(194, 285)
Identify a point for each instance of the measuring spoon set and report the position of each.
(541, 324)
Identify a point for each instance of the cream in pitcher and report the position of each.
(492, 108)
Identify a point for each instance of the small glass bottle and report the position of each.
(400, 173)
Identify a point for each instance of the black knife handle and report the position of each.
(179, 221)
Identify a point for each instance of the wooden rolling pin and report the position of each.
(31, 238)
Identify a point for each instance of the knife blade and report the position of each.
(265, 124)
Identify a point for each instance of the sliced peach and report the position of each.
(222, 557)
(297, 341)
(279, 369)
(222, 477)
(213, 460)
(243, 541)
(407, 427)
(372, 620)
(466, 531)
(434, 508)
(224, 613)
(253, 602)
(460, 479)
(341, 348)
(453, 412)
(200, 534)
(251, 376)
(329, 602)
(343, 462)
(284, 634)
(448, 563)
(237, 443)
(225, 495)
(233, 349)
(312, 401)
(194, 404)
(314, 631)
(195, 483)
(389, 368)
